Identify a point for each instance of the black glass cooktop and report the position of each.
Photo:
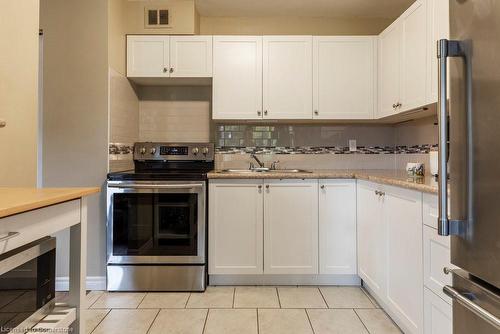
(164, 171)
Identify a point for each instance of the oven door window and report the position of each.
(176, 228)
(133, 224)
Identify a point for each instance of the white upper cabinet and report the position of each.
(389, 70)
(344, 77)
(235, 227)
(287, 71)
(158, 56)
(148, 56)
(403, 62)
(337, 227)
(438, 27)
(191, 56)
(237, 77)
(414, 57)
(291, 227)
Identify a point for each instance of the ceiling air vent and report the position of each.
(156, 17)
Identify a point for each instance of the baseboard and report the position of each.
(93, 283)
(284, 280)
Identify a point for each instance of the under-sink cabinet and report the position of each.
(290, 228)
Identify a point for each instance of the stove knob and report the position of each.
(143, 150)
(196, 150)
(153, 150)
(205, 150)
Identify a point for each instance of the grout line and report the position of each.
(278, 294)
(258, 329)
(95, 301)
(324, 299)
(187, 300)
(370, 298)
(145, 294)
(108, 312)
(309, 319)
(152, 322)
(234, 293)
(205, 323)
(361, 320)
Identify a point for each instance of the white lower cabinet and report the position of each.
(371, 238)
(291, 227)
(337, 227)
(402, 211)
(438, 315)
(235, 227)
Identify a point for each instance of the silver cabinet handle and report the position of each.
(3, 123)
(165, 70)
(171, 70)
(265, 112)
(316, 112)
(471, 306)
(267, 186)
(377, 192)
(394, 105)
(9, 235)
(322, 186)
(445, 49)
(259, 186)
(259, 113)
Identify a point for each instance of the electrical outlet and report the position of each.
(352, 145)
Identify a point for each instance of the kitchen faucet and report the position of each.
(261, 164)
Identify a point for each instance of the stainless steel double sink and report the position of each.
(264, 171)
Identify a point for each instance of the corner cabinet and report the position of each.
(235, 227)
(403, 62)
(160, 56)
(291, 226)
(344, 77)
(287, 77)
(237, 77)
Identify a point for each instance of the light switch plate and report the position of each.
(352, 145)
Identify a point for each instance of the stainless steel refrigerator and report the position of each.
(469, 162)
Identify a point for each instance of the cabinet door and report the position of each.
(371, 238)
(438, 27)
(344, 73)
(403, 218)
(414, 57)
(287, 82)
(389, 69)
(237, 77)
(337, 227)
(438, 315)
(147, 56)
(235, 227)
(191, 56)
(291, 227)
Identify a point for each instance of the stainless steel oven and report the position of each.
(156, 222)
(27, 285)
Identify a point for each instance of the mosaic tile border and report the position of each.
(120, 151)
(417, 149)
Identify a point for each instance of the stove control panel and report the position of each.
(174, 151)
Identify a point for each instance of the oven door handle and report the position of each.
(154, 186)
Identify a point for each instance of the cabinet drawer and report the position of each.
(437, 314)
(436, 257)
(430, 210)
(36, 224)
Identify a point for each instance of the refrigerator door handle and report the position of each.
(446, 226)
(471, 306)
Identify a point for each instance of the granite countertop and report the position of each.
(398, 178)
(19, 200)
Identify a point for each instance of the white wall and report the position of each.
(75, 123)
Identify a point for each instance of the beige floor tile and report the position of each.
(92, 297)
(336, 322)
(179, 321)
(301, 297)
(377, 322)
(231, 321)
(93, 318)
(213, 297)
(345, 297)
(119, 300)
(256, 297)
(126, 322)
(279, 321)
(165, 300)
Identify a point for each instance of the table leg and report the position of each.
(78, 268)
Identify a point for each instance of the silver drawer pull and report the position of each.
(9, 235)
(154, 186)
(471, 306)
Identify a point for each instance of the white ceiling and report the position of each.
(304, 8)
